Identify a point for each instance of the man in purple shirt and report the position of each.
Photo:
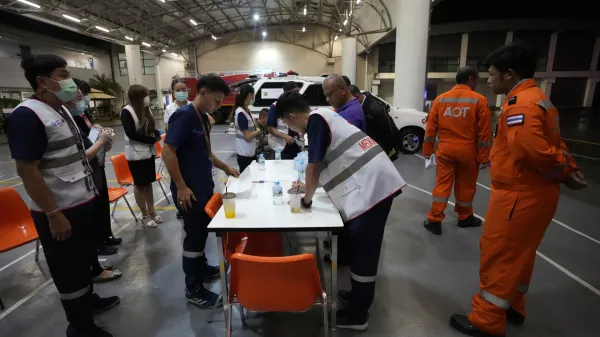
(338, 95)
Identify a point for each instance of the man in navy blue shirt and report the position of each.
(291, 149)
(188, 158)
(338, 95)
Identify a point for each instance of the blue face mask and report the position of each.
(86, 100)
(79, 109)
(181, 96)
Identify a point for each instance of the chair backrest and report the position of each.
(121, 167)
(158, 149)
(213, 205)
(13, 209)
(280, 284)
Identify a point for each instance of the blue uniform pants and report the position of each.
(366, 236)
(195, 221)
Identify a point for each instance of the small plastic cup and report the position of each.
(295, 197)
(229, 205)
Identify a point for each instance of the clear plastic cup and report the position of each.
(229, 205)
(295, 196)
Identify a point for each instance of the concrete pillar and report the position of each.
(412, 34)
(590, 89)
(552, 51)
(508, 40)
(134, 64)
(464, 46)
(349, 58)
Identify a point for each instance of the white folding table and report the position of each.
(255, 212)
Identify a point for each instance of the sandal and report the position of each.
(148, 222)
(115, 274)
(107, 267)
(157, 218)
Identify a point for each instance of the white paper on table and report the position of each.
(429, 163)
(241, 184)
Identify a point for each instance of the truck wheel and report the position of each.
(411, 139)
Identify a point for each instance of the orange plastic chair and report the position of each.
(16, 224)
(276, 284)
(123, 174)
(159, 152)
(115, 194)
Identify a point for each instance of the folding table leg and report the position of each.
(115, 207)
(325, 318)
(37, 250)
(163, 190)
(223, 278)
(130, 209)
(334, 285)
(242, 315)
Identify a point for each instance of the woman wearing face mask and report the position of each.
(94, 153)
(140, 136)
(180, 98)
(245, 127)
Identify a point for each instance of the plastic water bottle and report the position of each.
(302, 169)
(277, 194)
(261, 162)
(277, 155)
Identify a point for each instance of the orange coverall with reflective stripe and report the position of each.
(528, 160)
(462, 121)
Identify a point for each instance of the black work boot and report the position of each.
(462, 324)
(514, 317)
(434, 227)
(471, 221)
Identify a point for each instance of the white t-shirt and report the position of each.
(170, 110)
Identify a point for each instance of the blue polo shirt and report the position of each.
(187, 135)
(354, 114)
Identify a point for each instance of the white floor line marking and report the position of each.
(7, 162)
(19, 259)
(48, 282)
(553, 220)
(13, 178)
(549, 260)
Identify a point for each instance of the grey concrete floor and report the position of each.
(422, 279)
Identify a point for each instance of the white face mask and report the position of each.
(146, 101)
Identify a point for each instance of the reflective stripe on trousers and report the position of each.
(429, 139)
(464, 204)
(193, 255)
(363, 279)
(75, 295)
(495, 300)
(458, 100)
(440, 199)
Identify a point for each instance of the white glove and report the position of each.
(430, 162)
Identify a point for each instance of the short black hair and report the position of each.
(515, 56)
(213, 83)
(263, 112)
(177, 80)
(290, 102)
(83, 86)
(354, 90)
(291, 85)
(41, 65)
(464, 73)
(346, 79)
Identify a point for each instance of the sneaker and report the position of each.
(107, 250)
(91, 331)
(102, 304)
(514, 317)
(433, 227)
(112, 241)
(471, 221)
(462, 324)
(211, 272)
(347, 321)
(203, 298)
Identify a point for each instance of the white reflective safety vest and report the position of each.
(243, 147)
(357, 173)
(61, 165)
(135, 150)
(274, 141)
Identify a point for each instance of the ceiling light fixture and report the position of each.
(340, 29)
(357, 2)
(350, 13)
(174, 54)
(304, 10)
(193, 22)
(71, 18)
(256, 17)
(164, 50)
(29, 3)
(102, 29)
(264, 33)
(345, 22)
(128, 38)
(146, 44)
(82, 54)
(335, 38)
(214, 37)
(303, 29)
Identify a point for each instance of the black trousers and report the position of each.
(366, 236)
(101, 219)
(69, 262)
(244, 162)
(195, 221)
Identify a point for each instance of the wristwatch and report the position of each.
(304, 204)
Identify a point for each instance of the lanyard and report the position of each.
(206, 132)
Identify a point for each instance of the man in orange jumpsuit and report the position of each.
(528, 161)
(461, 119)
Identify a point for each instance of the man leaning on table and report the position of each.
(361, 181)
(188, 158)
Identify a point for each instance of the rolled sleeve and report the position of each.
(319, 138)
(26, 135)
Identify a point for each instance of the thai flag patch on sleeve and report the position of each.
(514, 120)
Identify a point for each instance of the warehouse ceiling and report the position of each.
(174, 24)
